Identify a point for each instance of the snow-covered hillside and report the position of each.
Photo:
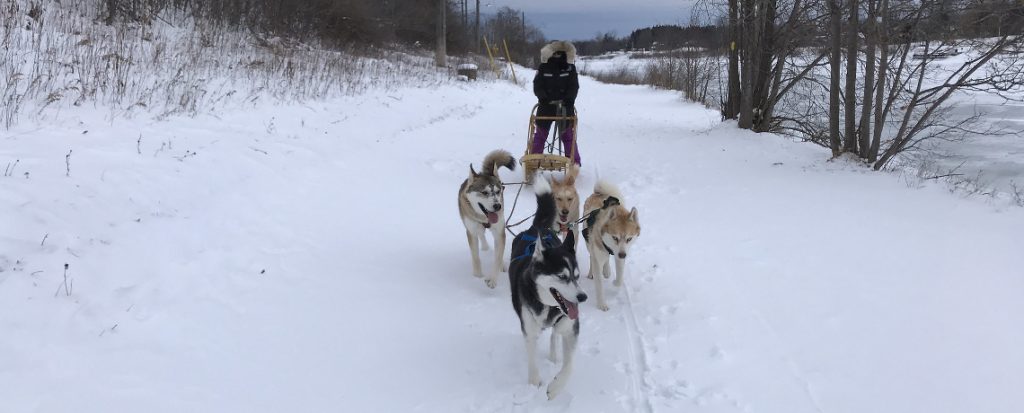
(309, 257)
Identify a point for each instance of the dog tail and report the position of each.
(497, 157)
(606, 188)
(546, 209)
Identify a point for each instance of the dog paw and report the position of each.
(607, 275)
(555, 388)
(491, 282)
(553, 358)
(617, 282)
(602, 306)
(535, 381)
(590, 276)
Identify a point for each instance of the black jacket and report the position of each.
(556, 81)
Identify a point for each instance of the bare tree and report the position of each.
(731, 109)
(440, 53)
(835, 63)
(850, 98)
(864, 128)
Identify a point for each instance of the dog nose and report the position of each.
(565, 212)
(581, 297)
(622, 255)
(497, 207)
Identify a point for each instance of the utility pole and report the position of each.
(441, 54)
(476, 27)
(523, 23)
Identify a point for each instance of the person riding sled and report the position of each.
(556, 83)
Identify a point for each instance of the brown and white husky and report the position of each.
(609, 230)
(567, 203)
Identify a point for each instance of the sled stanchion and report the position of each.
(549, 161)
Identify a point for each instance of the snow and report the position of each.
(614, 61)
(309, 257)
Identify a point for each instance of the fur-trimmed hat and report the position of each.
(558, 46)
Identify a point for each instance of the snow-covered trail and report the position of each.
(310, 258)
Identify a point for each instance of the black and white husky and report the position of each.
(545, 288)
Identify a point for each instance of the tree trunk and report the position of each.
(768, 109)
(732, 102)
(748, 53)
(835, 29)
(476, 27)
(850, 134)
(882, 31)
(111, 11)
(864, 129)
(765, 50)
(441, 54)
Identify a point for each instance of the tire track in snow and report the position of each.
(638, 356)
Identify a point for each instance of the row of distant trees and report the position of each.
(942, 19)
(661, 37)
(342, 23)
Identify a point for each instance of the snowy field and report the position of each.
(309, 257)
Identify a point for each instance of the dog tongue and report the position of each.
(493, 217)
(573, 309)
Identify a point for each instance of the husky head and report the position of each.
(621, 229)
(557, 277)
(485, 194)
(567, 199)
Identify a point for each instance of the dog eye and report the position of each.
(630, 239)
(616, 239)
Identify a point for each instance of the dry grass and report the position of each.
(58, 55)
(696, 75)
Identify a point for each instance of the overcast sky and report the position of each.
(582, 19)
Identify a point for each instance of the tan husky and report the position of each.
(567, 203)
(610, 230)
(480, 199)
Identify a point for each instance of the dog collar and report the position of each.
(566, 227)
(606, 248)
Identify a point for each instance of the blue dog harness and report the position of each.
(546, 239)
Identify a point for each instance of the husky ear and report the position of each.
(569, 244)
(472, 173)
(611, 213)
(570, 175)
(633, 214)
(538, 250)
